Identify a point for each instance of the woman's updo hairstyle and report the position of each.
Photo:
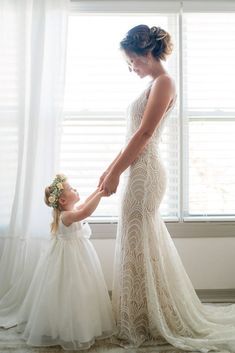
(141, 40)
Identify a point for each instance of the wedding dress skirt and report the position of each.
(153, 298)
(67, 303)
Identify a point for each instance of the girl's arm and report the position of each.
(87, 199)
(68, 217)
(161, 94)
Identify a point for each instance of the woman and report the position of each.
(153, 298)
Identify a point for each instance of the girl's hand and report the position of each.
(103, 193)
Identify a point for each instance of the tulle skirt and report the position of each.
(67, 303)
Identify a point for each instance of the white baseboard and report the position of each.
(216, 295)
(213, 295)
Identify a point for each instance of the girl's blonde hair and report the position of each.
(51, 198)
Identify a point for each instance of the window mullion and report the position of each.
(182, 161)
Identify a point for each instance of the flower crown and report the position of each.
(56, 189)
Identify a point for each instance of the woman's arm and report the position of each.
(84, 211)
(108, 169)
(161, 94)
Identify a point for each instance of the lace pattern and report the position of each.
(153, 299)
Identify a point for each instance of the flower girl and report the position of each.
(67, 303)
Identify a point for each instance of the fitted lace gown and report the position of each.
(153, 298)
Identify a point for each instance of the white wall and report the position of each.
(209, 262)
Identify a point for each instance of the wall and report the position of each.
(209, 261)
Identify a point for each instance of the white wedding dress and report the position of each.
(67, 302)
(153, 298)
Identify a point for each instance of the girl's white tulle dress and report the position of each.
(67, 302)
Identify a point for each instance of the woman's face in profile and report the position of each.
(138, 64)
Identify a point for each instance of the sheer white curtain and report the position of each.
(33, 50)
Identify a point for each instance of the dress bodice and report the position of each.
(135, 113)
(76, 229)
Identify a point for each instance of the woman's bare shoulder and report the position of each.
(164, 82)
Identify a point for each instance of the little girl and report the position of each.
(67, 303)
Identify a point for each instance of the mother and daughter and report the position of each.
(153, 300)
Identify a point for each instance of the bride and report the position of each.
(153, 298)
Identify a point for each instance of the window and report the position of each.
(209, 113)
(198, 143)
(99, 88)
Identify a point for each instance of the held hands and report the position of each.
(103, 177)
(108, 183)
(102, 193)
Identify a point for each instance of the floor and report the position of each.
(10, 342)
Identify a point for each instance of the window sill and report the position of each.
(107, 228)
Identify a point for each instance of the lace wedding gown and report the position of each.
(153, 298)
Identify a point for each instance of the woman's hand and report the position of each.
(110, 184)
(103, 177)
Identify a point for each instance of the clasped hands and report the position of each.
(108, 183)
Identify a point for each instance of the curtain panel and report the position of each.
(33, 47)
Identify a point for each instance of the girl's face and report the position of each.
(69, 194)
(139, 64)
